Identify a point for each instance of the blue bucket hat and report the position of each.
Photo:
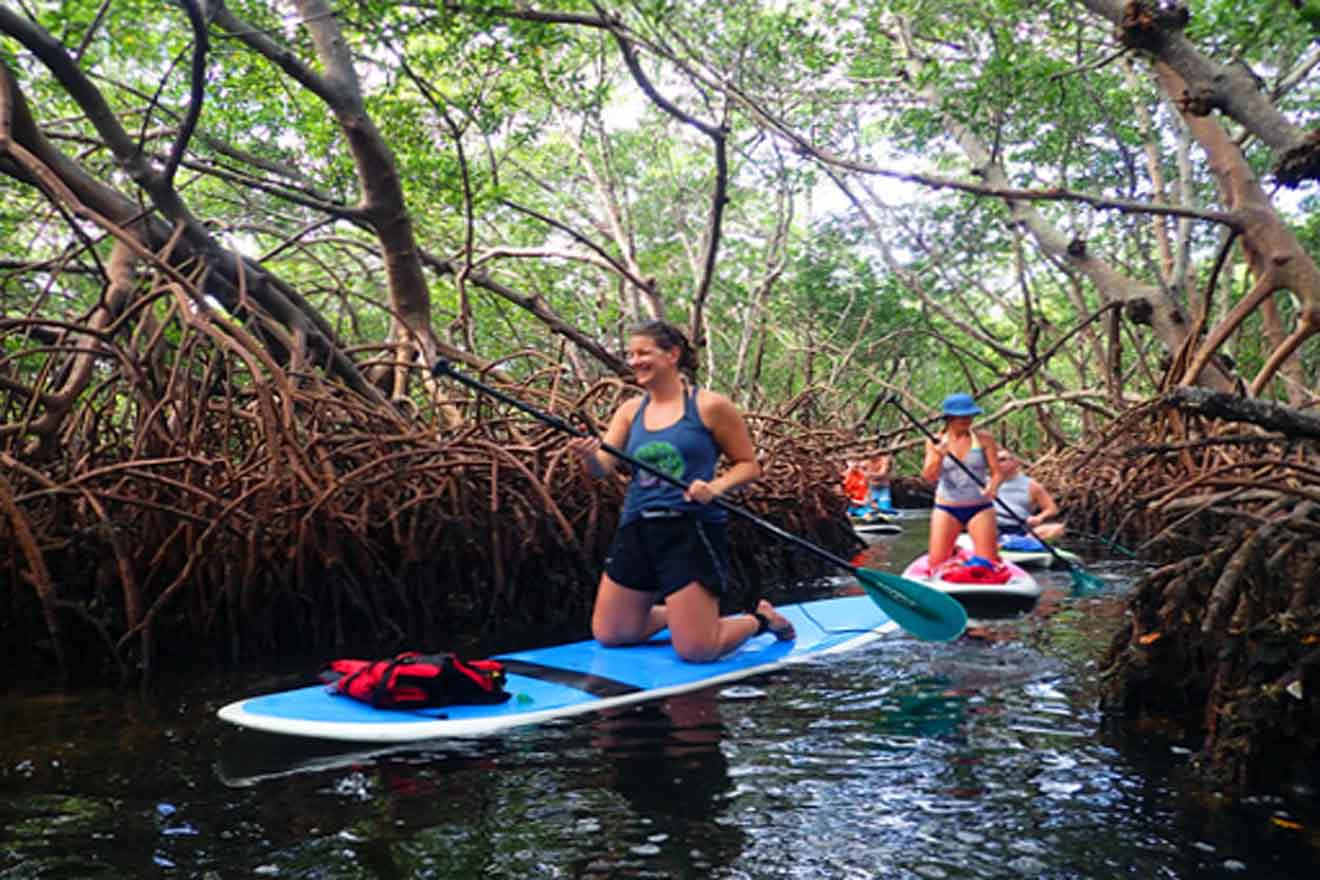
(960, 405)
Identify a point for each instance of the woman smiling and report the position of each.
(668, 562)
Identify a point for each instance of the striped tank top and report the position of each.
(955, 486)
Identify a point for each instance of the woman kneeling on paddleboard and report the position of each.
(670, 547)
(960, 502)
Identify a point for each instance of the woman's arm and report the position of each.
(930, 468)
(991, 450)
(729, 428)
(595, 461)
(1043, 502)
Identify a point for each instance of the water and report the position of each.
(984, 759)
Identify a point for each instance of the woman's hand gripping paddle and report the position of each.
(1084, 583)
(925, 612)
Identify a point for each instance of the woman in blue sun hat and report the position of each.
(960, 502)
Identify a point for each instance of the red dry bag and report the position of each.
(417, 681)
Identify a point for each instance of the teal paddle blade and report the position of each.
(925, 612)
(1085, 583)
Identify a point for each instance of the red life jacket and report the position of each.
(417, 681)
(975, 573)
(855, 485)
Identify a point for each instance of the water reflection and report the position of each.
(666, 759)
(930, 707)
(984, 758)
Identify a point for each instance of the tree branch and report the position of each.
(1233, 408)
(198, 80)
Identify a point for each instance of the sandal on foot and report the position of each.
(784, 633)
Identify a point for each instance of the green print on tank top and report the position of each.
(663, 456)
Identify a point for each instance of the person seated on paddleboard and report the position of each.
(854, 487)
(1028, 499)
(668, 562)
(960, 502)
(879, 470)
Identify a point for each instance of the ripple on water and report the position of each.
(900, 760)
(742, 692)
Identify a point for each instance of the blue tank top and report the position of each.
(955, 485)
(686, 450)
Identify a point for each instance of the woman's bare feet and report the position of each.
(779, 624)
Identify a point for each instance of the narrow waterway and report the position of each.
(984, 758)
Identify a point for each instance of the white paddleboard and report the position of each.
(1017, 595)
(876, 524)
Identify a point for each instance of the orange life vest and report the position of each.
(855, 485)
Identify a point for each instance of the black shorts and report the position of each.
(664, 555)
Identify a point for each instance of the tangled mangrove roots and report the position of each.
(1223, 637)
(195, 502)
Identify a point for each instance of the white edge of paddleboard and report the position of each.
(1027, 589)
(876, 529)
(438, 728)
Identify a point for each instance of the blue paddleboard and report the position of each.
(565, 680)
(1026, 555)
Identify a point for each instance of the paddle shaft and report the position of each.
(443, 367)
(968, 471)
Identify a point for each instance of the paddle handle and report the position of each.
(893, 399)
(445, 368)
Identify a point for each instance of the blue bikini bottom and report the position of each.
(963, 513)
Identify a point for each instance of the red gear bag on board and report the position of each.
(417, 681)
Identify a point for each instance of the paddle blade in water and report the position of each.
(1085, 583)
(925, 612)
